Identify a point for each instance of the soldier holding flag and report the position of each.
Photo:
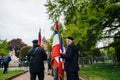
(71, 60)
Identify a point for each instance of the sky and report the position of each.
(22, 19)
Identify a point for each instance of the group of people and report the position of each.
(37, 55)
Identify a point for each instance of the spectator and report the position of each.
(6, 61)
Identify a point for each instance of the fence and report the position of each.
(93, 60)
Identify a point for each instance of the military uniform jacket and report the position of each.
(71, 58)
(36, 59)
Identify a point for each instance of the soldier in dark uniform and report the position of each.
(36, 57)
(71, 60)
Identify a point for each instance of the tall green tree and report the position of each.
(112, 24)
(86, 20)
(4, 48)
(79, 20)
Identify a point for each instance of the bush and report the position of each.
(24, 51)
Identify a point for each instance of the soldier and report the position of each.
(36, 57)
(71, 60)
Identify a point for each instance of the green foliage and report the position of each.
(116, 45)
(49, 44)
(24, 51)
(111, 51)
(113, 23)
(86, 20)
(9, 74)
(100, 72)
(79, 21)
(96, 52)
(3, 48)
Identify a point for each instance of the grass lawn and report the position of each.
(100, 72)
(9, 74)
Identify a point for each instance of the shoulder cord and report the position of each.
(35, 51)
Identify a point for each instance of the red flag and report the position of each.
(60, 70)
(55, 50)
(39, 38)
(56, 61)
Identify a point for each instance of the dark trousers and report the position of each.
(40, 76)
(56, 74)
(5, 65)
(72, 75)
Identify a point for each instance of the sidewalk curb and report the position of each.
(16, 75)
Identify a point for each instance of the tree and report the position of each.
(49, 45)
(16, 44)
(112, 24)
(23, 55)
(4, 48)
(24, 51)
(79, 21)
(86, 20)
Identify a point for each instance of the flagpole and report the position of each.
(39, 37)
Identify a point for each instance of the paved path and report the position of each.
(26, 76)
